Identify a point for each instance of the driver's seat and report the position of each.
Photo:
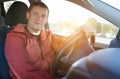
(16, 14)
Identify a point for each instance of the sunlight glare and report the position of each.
(63, 11)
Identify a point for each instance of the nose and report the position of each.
(39, 18)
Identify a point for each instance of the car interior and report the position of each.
(91, 63)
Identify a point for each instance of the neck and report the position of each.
(33, 32)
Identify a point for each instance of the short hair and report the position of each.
(41, 4)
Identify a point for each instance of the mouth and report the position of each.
(38, 23)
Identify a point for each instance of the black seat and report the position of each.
(2, 21)
(16, 14)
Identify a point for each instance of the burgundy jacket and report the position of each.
(29, 56)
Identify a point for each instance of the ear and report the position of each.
(27, 15)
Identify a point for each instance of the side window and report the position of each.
(65, 17)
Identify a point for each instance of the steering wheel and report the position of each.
(83, 48)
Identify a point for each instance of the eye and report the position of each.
(43, 16)
(34, 13)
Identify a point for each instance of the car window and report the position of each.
(65, 17)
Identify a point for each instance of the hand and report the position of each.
(87, 30)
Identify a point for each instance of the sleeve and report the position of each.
(15, 48)
(57, 42)
(16, 56)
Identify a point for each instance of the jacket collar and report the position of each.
(21, 29)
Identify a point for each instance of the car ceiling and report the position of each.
(12, 0)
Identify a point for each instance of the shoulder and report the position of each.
(46, 32)
(19, 31)
(15, 37)
(19, 27)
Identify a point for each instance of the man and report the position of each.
(30, 49)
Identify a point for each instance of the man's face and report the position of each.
(37, 18)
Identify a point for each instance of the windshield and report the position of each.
(65, 17)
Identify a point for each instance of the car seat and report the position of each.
(2, 21)
(4, 68)
(16, 14)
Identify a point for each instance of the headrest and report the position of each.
(16, 14)
(115, 42)
(118, 35)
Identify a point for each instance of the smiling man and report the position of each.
(28, 48)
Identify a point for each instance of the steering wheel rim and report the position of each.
(61, 51)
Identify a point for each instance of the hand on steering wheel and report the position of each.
(81, 36)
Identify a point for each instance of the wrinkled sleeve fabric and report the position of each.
(18, 60)
(57, 43)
